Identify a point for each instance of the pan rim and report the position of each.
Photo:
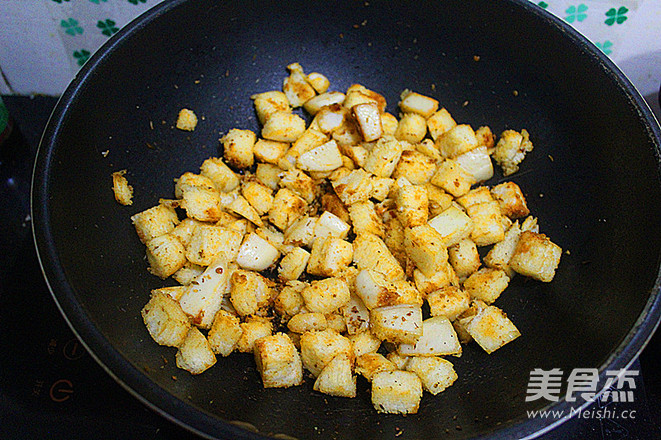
(181, 412)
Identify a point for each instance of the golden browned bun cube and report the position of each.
(121, 189)
(449, 301)
(318, 81)
(384, 156)
(296, 86)
(489, 326)
(411, 128)
(487, 223)
(412, 205)
(365, 219)
(464, 258)
(354, 187)
(300, 183)
(481, 194)
(396, 392)
(259, 196)
(325, 157)
(220, 174)
(225, 332)
(289, 301)
(451, 177)
(477, 163)
(165, 255)
(337, 379)
(278, 361)
(155, 221)
(253, 329)
(444, 277)
(268, 103)
(511, 149)
(286, 208)
(389, 123)
(326, 296)
(166, 322)
(209, 242)
(412, 102)
(195, 354)
(500, 254)
(440, 122)
(375, 290)
(370, 364)
(238, 147)
(453, 224)
(536, 256)
(307, 322)
(293, 264)
(435, 373)
(318, 348)
(186, 120)
(398, 324)
(511, 200)
(416, 167)
(335, 256)
(283, 127)
(426, 248)
(486, 284)
(250, 293)
(364, 342)
(438, 339)
(368, 120)
(456, 141)
(370, 252)
(356, 315)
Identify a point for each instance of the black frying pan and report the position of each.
(593, 181)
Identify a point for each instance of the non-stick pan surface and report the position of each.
(592, 180)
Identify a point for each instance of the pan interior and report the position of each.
(592, 180)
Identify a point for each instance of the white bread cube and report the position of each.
(336, 378)
(477, 163)
(238, 147)
(209, 242)
(256, 253)
(283, 127)
(412, 205)
(268, 103)
(371, 364)
(289, 301)
(370, 252)
(354, 187)
(375, 290)
(500, 254)
(166, 322)
(259, 196)
(511, 149)
(300, 183)
(453, 224)
(122, 191)
(415, 167)
(253, 329)
(426, 248)
(307, 322)
(186, 120)
(536, 256)
(201, 203)
(464, 258)
(315, 104)
(398, 324)
(444, 277)
(435, 373)
(365, 219)
(486, 284)
(384, 156)
(411, 128)
(203, 297)
(188, 180)
(511, 200)
(440, 122)
(368, 120)
(184, 230)
(301, 231)
(489, 326)
(356, 315)
(286, 208)
(451, 177)
(412, 102)
(318, 81)
(296, 86)
(487, 223)
(374, 96)
(195, 354)
(153, 222)
(166, 255)
(438, 339)
(481, 194)
(326, 296)
(225, 332)
(250, 292)
(278, 361)
(389, 123)
(326, 157)
(220, 174)
(309, 140)
(320, 347)
(336, 255)
(330, 118)
(293, 264)
(456, 141)
(330, 225)
(449, 301)
(269, 151)
(268, 175)
(396, 392)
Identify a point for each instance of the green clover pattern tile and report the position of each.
(606, 47)
(135, 2)
(71, 27)
(96, 2)
(81, 56)
(576, 13)
(107, 27)
(616, 16)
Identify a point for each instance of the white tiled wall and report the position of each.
(43, 42)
